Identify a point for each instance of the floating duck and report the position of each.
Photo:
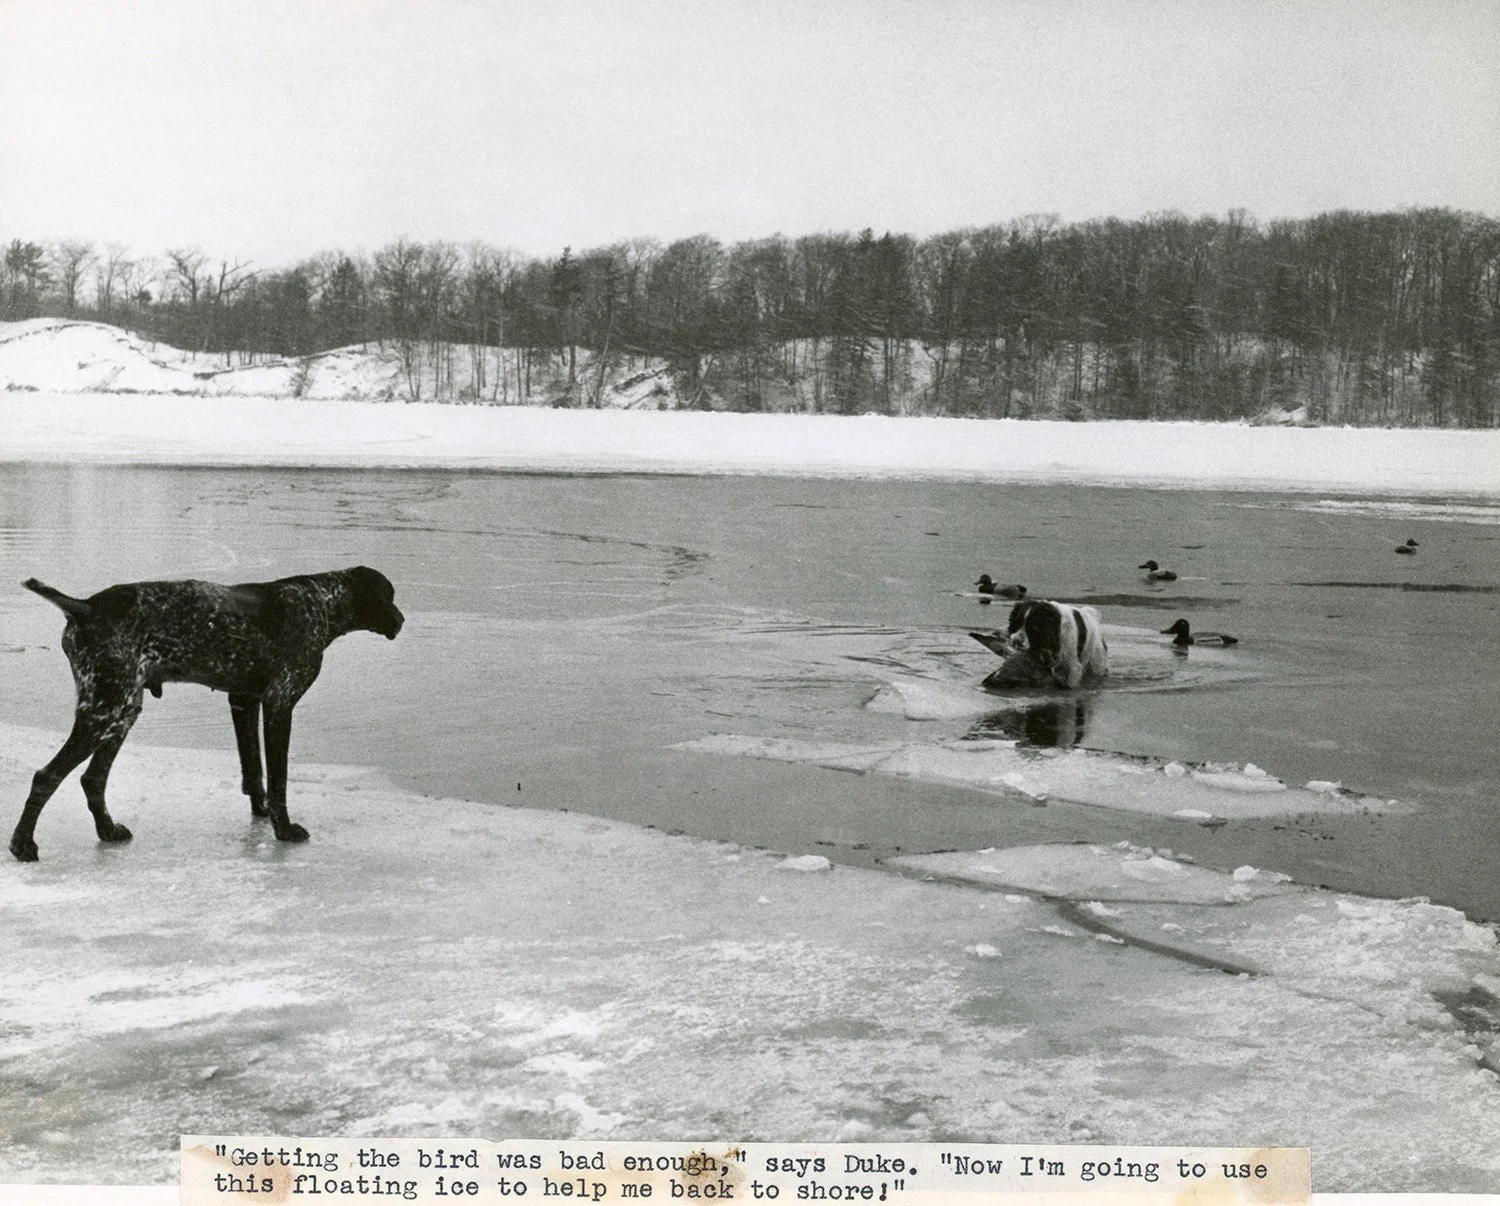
(1410, 547)
(1184, 635)
(987, 586)
(1154, 573)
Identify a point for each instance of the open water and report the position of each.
(565, 631)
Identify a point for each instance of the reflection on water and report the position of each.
(1048, 723)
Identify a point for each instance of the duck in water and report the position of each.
(1184, 636)
(987, 586)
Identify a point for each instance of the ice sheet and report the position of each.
(432, 967)
(1403, 960)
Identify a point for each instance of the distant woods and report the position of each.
(1359, 318)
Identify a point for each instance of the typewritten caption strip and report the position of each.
(228, 1171)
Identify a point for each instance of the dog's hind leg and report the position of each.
(94, 780)
(278, 741)
(245, 710)
(82, 741)
(115, 720)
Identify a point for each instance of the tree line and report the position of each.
(1363, 318)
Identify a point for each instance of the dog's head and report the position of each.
(1018, 614)
(1036, 626)
(374, 601)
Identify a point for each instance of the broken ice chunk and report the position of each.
(806, 862)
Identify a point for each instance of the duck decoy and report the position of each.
(1184, 634)
(1154, 572)
(988, 586)
(1410, 547)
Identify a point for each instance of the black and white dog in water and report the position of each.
(1050, 643)
(1068, 640)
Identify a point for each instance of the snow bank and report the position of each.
(429, 967)
(106, 428)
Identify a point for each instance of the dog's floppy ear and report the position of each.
(374, 600)
(1018, 614)
(370, 585)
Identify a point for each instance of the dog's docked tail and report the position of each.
(70, 605)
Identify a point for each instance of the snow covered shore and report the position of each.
(162, 408)
(113, 428)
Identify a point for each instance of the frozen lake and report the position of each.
(568, 635)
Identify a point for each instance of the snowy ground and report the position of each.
(274, 431)
(433, 967)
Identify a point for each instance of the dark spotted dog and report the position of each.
(1067, 640)
(261, 642)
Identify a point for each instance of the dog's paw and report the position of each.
(291, 832)
(24, 850)
(115, 833)
(258, 808)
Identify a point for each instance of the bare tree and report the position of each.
(416, 286)
(221, 289)
(185, 270)
(71, 261)
(437, 300)
(138, 277)
(395, 281)
(203, 292)
(682, 296)
(488, 273)
(113, 268)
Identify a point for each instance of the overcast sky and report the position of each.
(266, 131)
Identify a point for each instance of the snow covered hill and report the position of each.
(52, 355)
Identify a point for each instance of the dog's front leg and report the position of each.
(278, 724)
(245, 711)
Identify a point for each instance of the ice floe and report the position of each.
(805, 862)
(924, 699)
(1103, 780)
